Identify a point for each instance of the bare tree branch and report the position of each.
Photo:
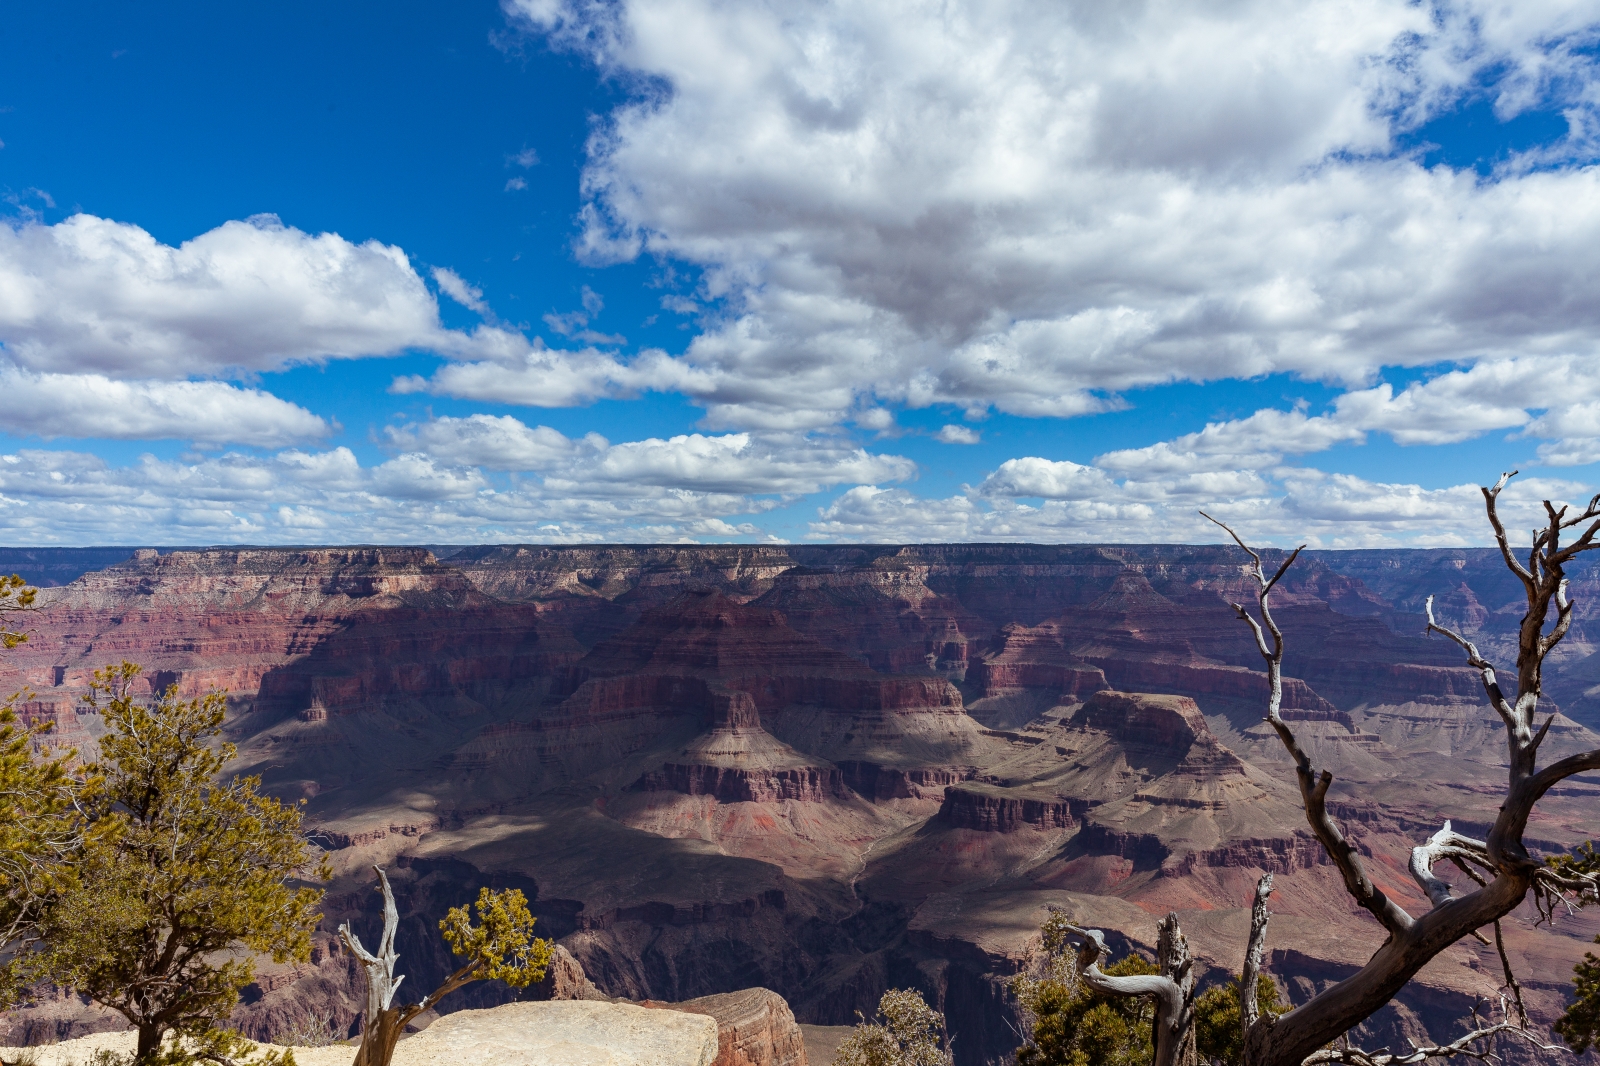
(1462, 1047)
(1313, 786)
(1489, 496)
(1445, 844)
(1491, 684)
(1511, 978)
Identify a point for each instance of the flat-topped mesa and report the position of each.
(1169, 725)
(807, 784)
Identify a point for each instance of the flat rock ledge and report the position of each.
(561, 1033)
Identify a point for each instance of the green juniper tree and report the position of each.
(15, 595)
(1218, 1029)
(181, 876)
(37, 819)
(1075, 1026)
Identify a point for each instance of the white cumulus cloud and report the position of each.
(91, 294)
(93, 405)
(732, 464)
(1037, 207)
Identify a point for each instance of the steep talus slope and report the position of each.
(828, 771)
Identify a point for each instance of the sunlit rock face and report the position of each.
(828, 771)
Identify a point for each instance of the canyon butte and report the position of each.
(829, 771)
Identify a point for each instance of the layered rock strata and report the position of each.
(755, 1027)
(723, 768)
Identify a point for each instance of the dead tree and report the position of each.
(499, 947)
(1502, 872)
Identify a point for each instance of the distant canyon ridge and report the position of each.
(833, 770)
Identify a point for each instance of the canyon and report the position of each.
(832, 770)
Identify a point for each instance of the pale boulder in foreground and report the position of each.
(572, 1033)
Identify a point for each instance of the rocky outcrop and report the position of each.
(755, 1027)
(563, 1034)
(995, 811)
(875, 782)
(564, 979)
(1168, 724)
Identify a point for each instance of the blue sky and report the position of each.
(686, 270)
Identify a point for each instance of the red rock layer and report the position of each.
(665, 659)
(735, 785)
(406, 654)
(1170, 724)
(884, 613)
(967, 808)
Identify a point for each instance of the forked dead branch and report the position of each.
(1500, 871)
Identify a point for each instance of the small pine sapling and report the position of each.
(499, 947)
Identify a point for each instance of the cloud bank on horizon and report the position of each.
(982, 211)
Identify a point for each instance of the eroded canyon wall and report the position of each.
(833, 770)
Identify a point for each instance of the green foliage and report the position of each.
(36, 818)
(907, 1032)
(502, 944)
(1075, 1026)
(1217, 1032)
(181, 874)
(1580, 1025)
(15, 595)
(37, 835)
(1583, 862)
